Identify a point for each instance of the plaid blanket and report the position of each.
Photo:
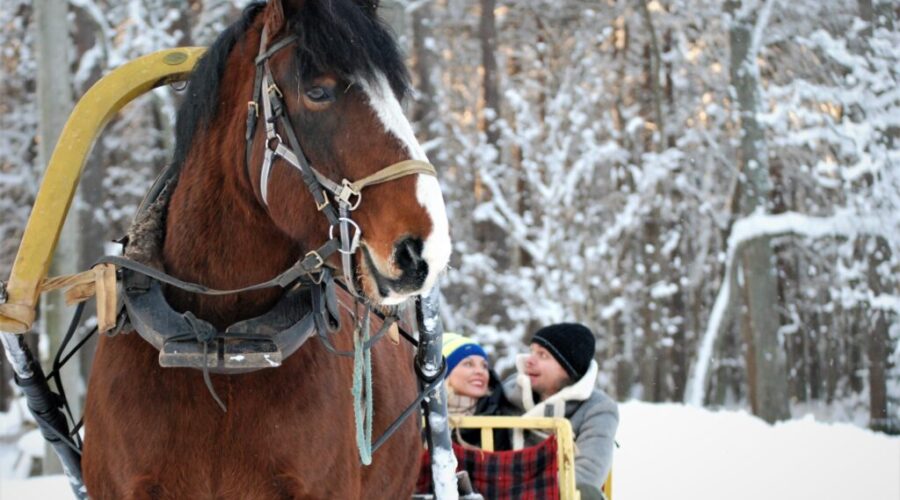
(526, 474)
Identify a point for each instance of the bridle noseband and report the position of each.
(348, 194)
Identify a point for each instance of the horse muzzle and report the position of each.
(405, 274)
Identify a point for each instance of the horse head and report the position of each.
(340, 78)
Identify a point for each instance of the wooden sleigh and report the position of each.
(490, 473)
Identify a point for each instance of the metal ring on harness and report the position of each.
(277, 142)
(354, 241)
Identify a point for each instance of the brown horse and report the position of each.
(288, 432)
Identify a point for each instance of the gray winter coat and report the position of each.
(593, 414)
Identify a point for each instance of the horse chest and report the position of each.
(287, 432)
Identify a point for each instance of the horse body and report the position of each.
(288, 432)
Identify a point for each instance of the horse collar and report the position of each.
(185, 341)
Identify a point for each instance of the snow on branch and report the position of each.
(506, 217)
(843, 224)
(762, 21)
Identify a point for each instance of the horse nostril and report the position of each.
(412, 266)
(408, 254)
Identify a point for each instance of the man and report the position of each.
(558, 379)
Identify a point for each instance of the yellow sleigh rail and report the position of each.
(90, 116)
(565, 439)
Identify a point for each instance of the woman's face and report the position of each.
(470, 377)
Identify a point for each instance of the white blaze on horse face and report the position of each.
(436, 248)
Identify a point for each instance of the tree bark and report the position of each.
(86, 36)
(653, 76)
(424, 110)
(487, 232)
(878, 348)
(878, 252)
(487, 36)
(767, 371)
(54, 90)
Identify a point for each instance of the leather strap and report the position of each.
(307, 267)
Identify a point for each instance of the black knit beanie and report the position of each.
(571, 344)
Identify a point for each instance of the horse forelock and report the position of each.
(341, 37)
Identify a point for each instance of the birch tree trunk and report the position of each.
(88, 35)
(878, 340)
(655, 60)
(487, 35)
(767, 373)
(54, 90)
(424, 112)
(486, 231)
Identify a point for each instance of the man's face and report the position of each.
(546, 374)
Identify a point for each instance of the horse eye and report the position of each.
(318, 94)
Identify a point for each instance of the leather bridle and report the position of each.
(347, 194)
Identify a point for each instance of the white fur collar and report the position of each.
(579, 391)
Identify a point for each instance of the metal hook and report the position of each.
(348, 192)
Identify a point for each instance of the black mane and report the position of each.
(202, 99)
(334, 35)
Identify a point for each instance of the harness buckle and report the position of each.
(252, 107)
(273, 89)
(318, 257)
(348, 192)
(325, 203)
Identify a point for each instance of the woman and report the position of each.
(473, 388)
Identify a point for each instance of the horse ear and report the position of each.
(277, 13)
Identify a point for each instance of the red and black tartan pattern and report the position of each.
(526, 474)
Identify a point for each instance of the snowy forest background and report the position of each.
(712, 187)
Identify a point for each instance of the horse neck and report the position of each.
(218, 234)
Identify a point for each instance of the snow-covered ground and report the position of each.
(675, 451)
(670, 451)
